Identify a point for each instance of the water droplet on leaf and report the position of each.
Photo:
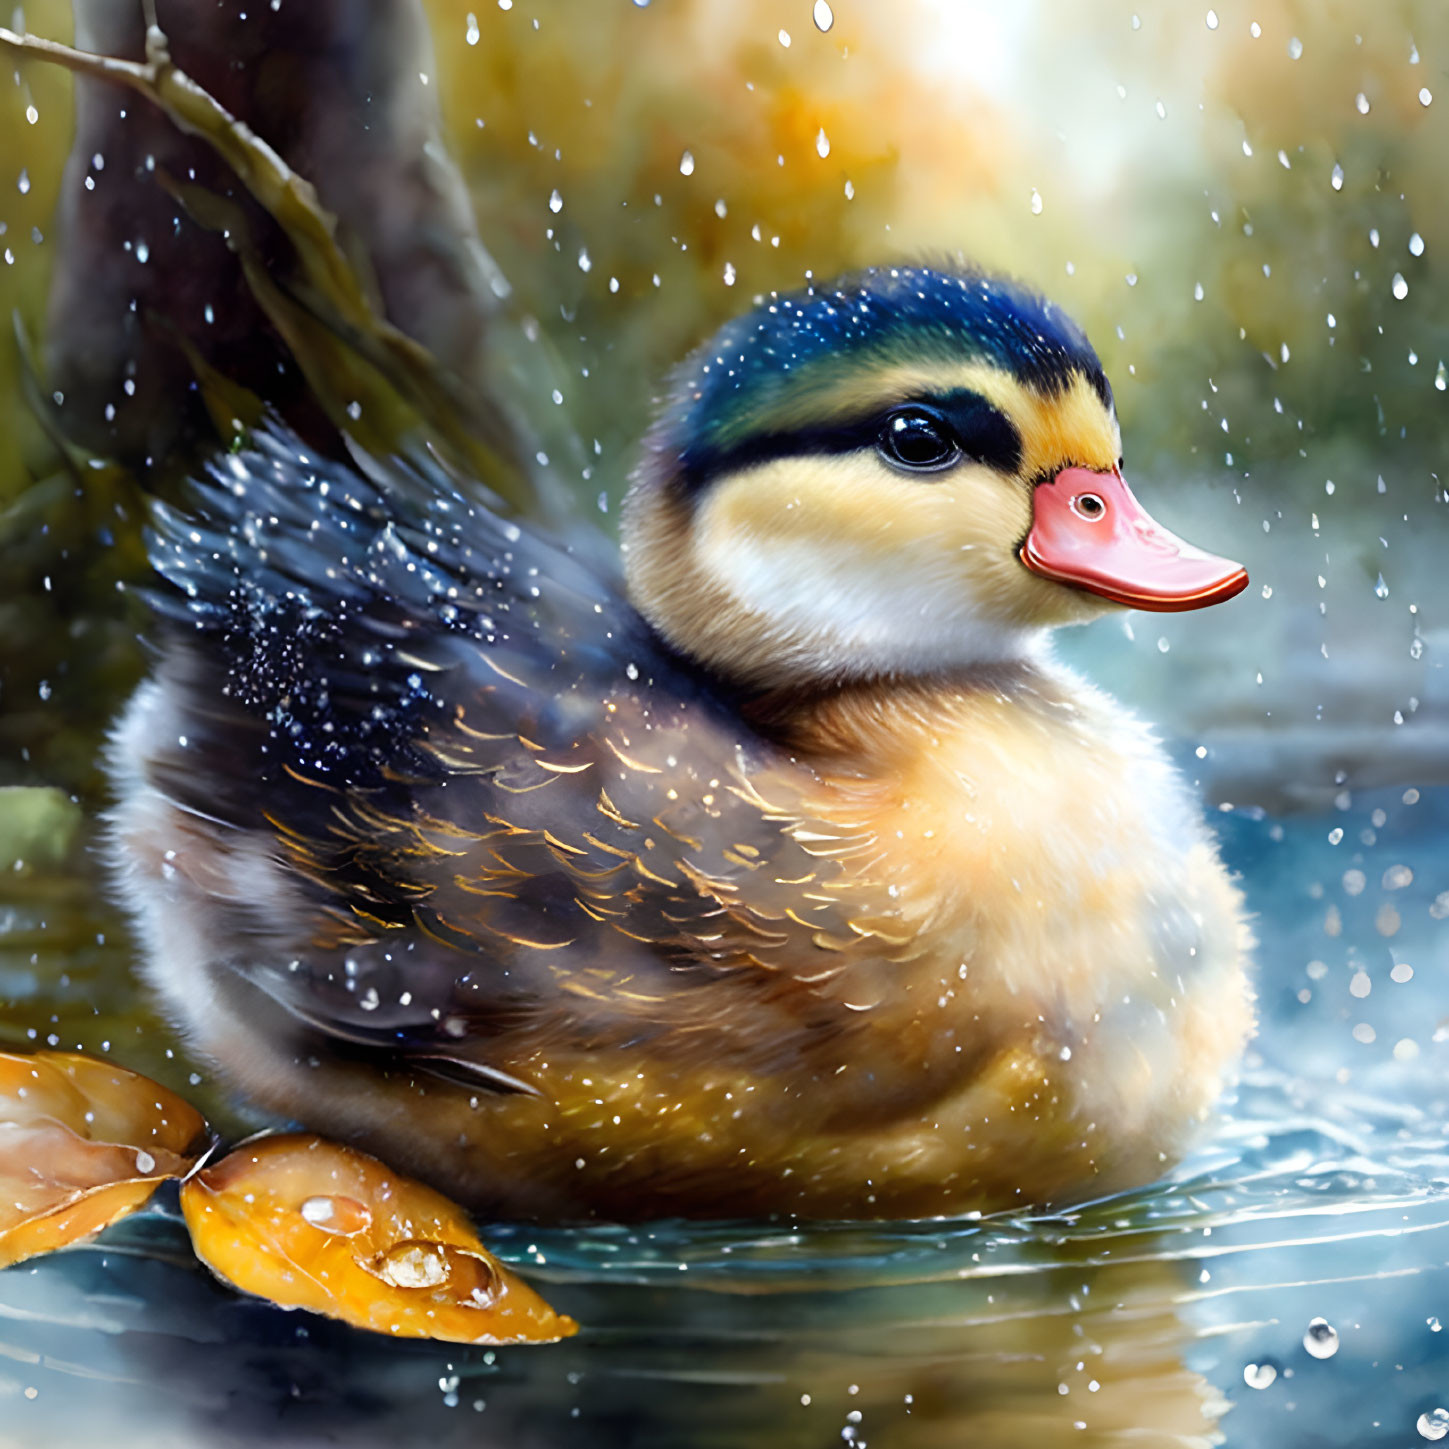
(413, 1264)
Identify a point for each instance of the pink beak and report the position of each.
(1088, 530)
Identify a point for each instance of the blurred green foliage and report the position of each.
(1227, 199)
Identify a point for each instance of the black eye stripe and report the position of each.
(983, 434)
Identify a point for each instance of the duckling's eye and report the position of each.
(1088, 506)
(918, 441)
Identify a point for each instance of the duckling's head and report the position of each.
(912, 471)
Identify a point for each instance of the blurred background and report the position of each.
(1245, 206)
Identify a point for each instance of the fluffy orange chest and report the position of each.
(1029, 837)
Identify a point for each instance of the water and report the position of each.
(1189, 1307)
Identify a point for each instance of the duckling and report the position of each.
(781, 870)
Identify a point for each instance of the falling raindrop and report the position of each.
(1035, 202)
(555, 202)
(1336, 180)
(1400, 286)
(686, 164)
(1416, 245)
(1362, 102)
(729, 274)
(23, 185)
(1441, 378)
(586, 262)
(1321, 1339)
(1259, 1375)
(1434, 1424)
(1381, 589)
(1425, 96)
(1295, 49)
(1212, 20)
(471, 35)
(823, 15)
(785, 38)
(822, 144)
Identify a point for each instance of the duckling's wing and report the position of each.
(501, 789)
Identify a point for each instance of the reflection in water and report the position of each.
(1320, 1196)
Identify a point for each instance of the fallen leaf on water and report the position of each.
(310, 1224)
(82, 1143)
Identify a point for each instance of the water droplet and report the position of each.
(729, 274)
(1295, 49)
(413, 1263)
(1381, 589)
(1321, 1340)
(1035, 202)
(1425, 96)
(686, 164)
(23, 185)
(555, 202)
(471, 35)
(1336, 179)
(785, 38)
(143, 253)
(1441, 379)
(1212, 20)
(1434, 1425)
(1361, 101)
(822, 144)
(145, 1163)
(341, 1215)
(823, 15)
(1259, 1375)
(1400, 286)
(1416, 245)
(586, 262)
(1434, 1325)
